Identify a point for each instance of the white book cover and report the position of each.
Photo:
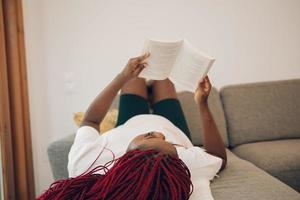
(179, 61)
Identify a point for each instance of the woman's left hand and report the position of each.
(135, 66)
(202, 91)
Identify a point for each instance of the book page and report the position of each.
(191, 66)
(161, 60)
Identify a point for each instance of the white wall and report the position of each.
(74, 48)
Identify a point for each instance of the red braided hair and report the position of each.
(138, 174)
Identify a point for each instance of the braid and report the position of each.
(137, 174)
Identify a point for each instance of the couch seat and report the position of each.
(280, 158)
(241, 180)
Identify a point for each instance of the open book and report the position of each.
(179, 61)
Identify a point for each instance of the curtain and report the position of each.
(17, 165)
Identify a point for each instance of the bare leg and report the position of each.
(170, 107)
(135, 86)
(163, 89)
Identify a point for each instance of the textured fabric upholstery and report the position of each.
(193, 117)
(58, 152)
(279, 158)
(241, 180)
(262, 111)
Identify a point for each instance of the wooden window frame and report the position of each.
(15, 135)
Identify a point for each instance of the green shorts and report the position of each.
(131, 105)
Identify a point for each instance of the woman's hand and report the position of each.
(135, 66)
(202, 91)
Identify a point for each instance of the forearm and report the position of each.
(99, 107)
(212, 140)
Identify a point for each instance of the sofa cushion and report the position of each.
(243, 180)
(279, 158)
(262, 111)
(58, 152)
(193, 117)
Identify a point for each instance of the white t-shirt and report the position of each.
(88, 144)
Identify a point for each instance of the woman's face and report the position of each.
(152, 140)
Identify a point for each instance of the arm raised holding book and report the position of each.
(99, 107)
(212, 140)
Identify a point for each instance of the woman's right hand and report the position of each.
(135, 66)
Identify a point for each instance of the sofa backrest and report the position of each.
(262, 111)
(193, 117)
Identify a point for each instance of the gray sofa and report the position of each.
(260, 126)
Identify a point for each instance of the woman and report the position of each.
(147, 156)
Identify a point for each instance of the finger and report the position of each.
(139, 57)
(143, 57)
(141, 65)
(135, 58)
(208, 81)
(202, 81)
(145, 64)
(138, 70)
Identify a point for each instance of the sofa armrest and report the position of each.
(58, 156)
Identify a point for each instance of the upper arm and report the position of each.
(224, 161)
(91, 124)
(86, 144)
(206, 164)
